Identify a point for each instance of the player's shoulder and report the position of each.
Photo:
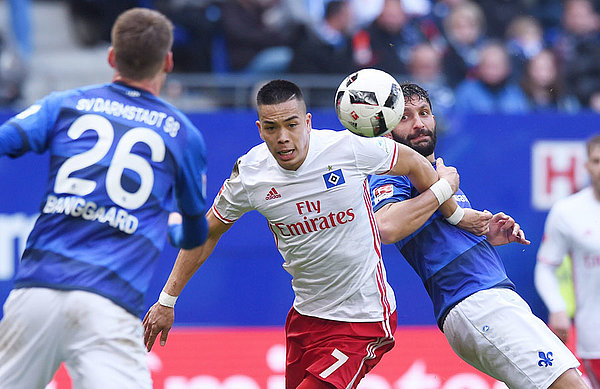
(326, 136)
(257, 157)
(573, 202)
(346, 140)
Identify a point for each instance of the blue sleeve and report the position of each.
(190, 191)
(389, 189)
(31, 129)
(190, 234)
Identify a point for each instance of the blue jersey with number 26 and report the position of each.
(120, 158)
(452, 263)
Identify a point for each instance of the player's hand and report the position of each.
(560, 324)
(158, 320)
(449, 173)
(475, 222)
(504, 229)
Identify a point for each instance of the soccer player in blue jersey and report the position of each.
(120, 157)
(485, 321)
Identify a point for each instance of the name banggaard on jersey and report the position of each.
(88, 210)
(320, 223)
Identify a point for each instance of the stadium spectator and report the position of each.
(20, 22)
(441, 9)
(343, 305)
(13, 73)
(578, 48)
(425, 68)
(364, 11)
(485, 321)
(464, 30)
(492, 91)
(120, 158)
(388, 40)
(544, 86)
(524, 39)
(572, 228)
(500, 13)
(198, 39)
(92, 20)
(254, 43)
(595, 100)
(327, 47)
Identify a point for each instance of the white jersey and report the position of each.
(573, 227)
(322, 221)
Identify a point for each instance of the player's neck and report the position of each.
(152, 85)
(431, 157)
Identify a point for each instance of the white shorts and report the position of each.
(495, 331)
(100, 342)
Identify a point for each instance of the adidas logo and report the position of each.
(272, 194)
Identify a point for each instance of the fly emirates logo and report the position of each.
(313, 220)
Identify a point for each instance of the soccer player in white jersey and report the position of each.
(311, 187)
(119, 158)
(485, 321)
(573, 228)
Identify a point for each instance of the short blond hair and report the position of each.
(141, 38)
(592, 142)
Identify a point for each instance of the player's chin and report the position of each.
(287, 162)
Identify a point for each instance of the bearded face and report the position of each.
(417, 127)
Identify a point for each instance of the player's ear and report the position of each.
(259, 129)
(111, 57)
(389, 135)
(168, 65)
(309, 121)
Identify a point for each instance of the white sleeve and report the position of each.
(232, 201)
(374, 155)
(552, 251)
(547, 287)
(556, 240)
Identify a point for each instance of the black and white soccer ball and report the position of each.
(369, 102)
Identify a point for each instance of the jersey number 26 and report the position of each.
(122, 159)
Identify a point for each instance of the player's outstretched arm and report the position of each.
(503, 229)
(159, 318)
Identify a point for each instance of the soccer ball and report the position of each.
(369, 102)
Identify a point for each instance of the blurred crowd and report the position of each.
(471, 55)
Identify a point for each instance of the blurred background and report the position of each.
(515, 87)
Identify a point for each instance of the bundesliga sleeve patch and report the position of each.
(385, 144)
(383, 192)
(334, 178)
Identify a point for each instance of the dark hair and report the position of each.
(593, 141)
(278, 91)
(412, 91)
(141, 38)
